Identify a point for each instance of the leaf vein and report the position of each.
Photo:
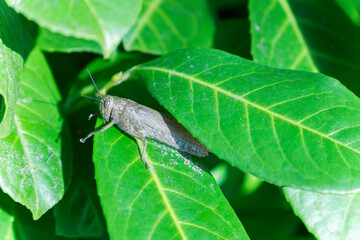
(202, 204)
(231, 95)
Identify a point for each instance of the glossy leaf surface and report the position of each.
(175, 199)
(166, 25)
(99, 21)
(287, 127)
(31, 168)
(10, 69)
(11, 46)
(327, 216)
(327, 38)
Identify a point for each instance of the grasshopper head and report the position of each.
(106, 107)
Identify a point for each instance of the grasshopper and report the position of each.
(142, 122)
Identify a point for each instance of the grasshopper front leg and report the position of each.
(82, 140)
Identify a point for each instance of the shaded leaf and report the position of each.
(102, 22)
(306, 35)
(31, 169)
(166, 25)
(176, 199)
(352, 9)
(233, 37)
(275, 31)
(287, 127)
(12, 33)
(55, 42)
(76, 214)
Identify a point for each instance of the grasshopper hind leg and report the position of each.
(144, 140)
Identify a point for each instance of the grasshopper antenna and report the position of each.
(94, 84)
(92, 98)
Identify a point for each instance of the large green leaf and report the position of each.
(275, 31)
(321, 24)
(11, 46)
(175, 199)
(287, 127)
(327, 216)
(10, 68)
(102, 22)
(306, 35)
(166, 25)
(31, 169)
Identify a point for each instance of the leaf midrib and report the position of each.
(31, 165)
(163, 195)
(289, 13)
(215, 88)
(143, 20)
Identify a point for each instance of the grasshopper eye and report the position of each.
(107, 103)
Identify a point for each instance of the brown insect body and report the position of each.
(142, 122)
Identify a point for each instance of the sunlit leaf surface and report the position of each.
(104, 22)
(324, 36)
(175, 199)
(287, 127)
(30, 157)
(327, 216)
(166, 25)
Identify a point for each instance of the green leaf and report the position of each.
(12, 33)
(11, 45)
(175, 199)
(6, 225)
(166, 25)
(275, 31)
(352, 9)
(31, 169)
(55, 42)
(10, 69)
(7, 217)
(287, 127)
(306, 35)
(76, 214)
(102, 22)
(327, 216)
(320, 26)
